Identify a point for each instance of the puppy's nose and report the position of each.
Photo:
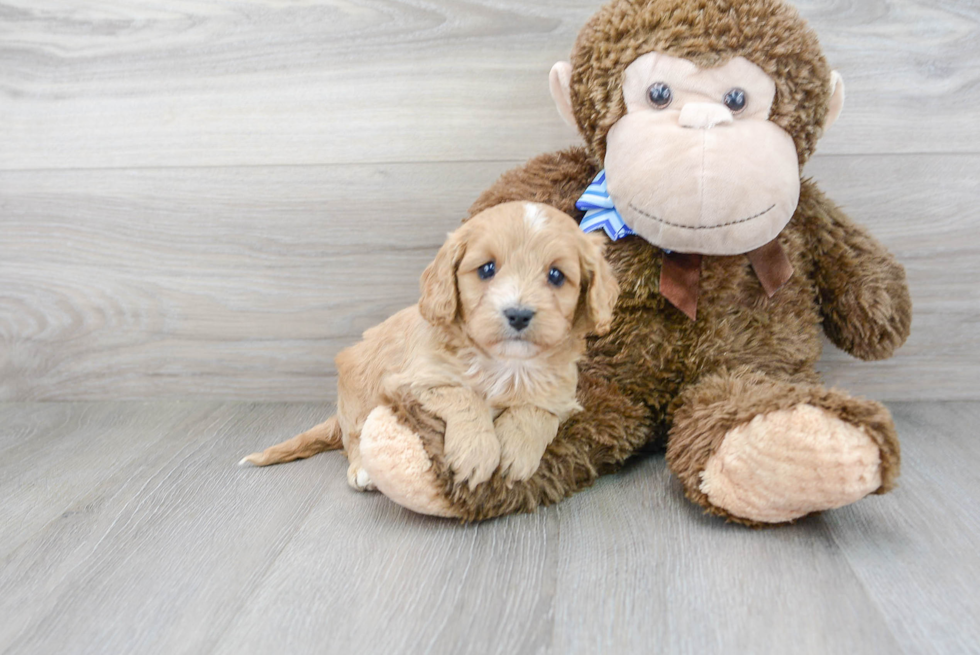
(519, 317)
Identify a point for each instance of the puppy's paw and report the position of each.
(359, 479)
(524, 435)
(472, 456)
(520, 460)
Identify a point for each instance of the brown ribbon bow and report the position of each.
(680, 275)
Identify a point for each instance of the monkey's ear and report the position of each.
(836, 100)
(438, 303)
(561, 90)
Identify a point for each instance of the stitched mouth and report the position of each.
(700, 227)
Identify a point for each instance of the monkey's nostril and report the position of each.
(519, 317)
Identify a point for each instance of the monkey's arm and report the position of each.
(558, 179)
(864, 297)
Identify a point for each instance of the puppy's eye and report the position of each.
(487, 271)
(555, 277)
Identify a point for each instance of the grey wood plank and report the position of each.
(22, 422)
(623, 568)
(178, 550)
(890, 53)
(244, 283)
(158, 557)
(363, 575)
(642, 570)
(205, 83)
(260, 82)
(915, 550)
(68, 451)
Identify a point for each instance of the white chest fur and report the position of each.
(508, 382)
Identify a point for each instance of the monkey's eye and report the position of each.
(487, 271)
(660, 95)
(735, 100)
(555, 277)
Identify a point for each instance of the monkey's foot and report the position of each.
(393, 457)
(786, 464)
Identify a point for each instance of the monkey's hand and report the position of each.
(864, 297)
(524, 432)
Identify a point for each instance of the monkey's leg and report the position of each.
(402, 450)
(758, 450)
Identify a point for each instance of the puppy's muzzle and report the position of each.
(519, 317)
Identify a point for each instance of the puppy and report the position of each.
(492, 346)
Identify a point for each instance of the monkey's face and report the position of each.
(696, 165)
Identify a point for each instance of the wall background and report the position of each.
(210, 199)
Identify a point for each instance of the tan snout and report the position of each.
(704, 115)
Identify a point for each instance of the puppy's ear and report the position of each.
(438, 303)
(600, 290)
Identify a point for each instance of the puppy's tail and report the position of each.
(326, 436)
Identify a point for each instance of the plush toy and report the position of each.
(697, 116)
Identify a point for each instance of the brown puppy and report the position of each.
(492, 346)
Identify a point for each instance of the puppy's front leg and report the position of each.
(524, 432)
(471, 445)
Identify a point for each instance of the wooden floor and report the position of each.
(128, 528)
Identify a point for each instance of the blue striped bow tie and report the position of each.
(600, 213)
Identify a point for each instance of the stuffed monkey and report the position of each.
(697, 117)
